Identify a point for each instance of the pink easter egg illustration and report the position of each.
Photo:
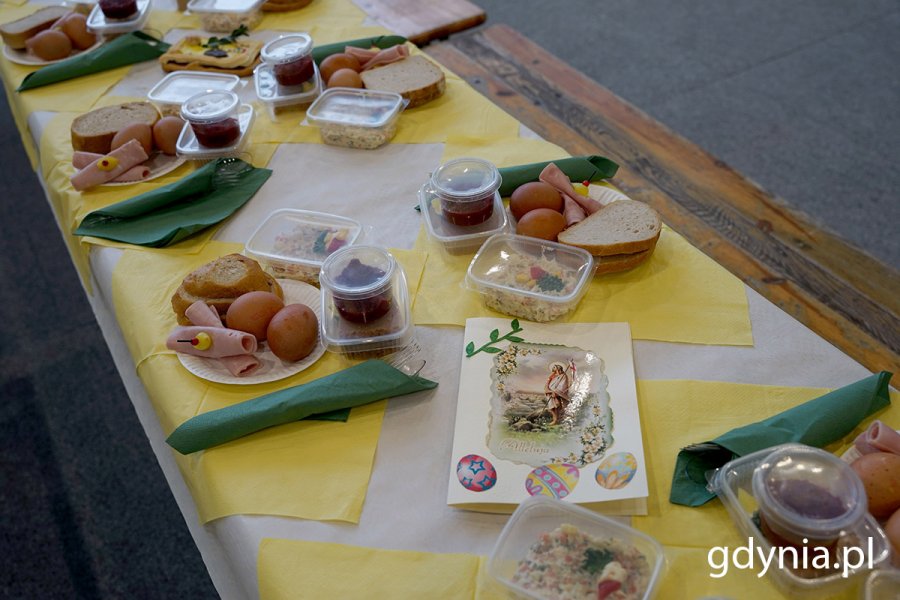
(476, 473)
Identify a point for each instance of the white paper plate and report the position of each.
(273, 368)
(24, 57)
(160, 164)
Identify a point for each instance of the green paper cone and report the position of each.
(815, 423)
(578, 168)
(171, 213)
(322, 52)
(360, 384)
(127, 49)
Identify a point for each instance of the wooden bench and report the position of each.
(422, 21)
(838, 291)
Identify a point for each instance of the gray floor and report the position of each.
(801, 96)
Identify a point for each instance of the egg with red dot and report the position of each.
(476, 473)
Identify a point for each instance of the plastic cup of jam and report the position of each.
(466, 188)
(359, 279)
(118, 9)
(807, 497)
(291, 59)
(213, 117)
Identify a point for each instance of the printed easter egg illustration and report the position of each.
(616, 470)
(556, 481)
(476, 473)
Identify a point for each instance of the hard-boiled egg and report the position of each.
(136, 131)
(50, 45)
(252, 312)
(166, 132)
(293, 332)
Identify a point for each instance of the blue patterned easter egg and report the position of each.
(616, 470)
(556, 481)
(476, 473)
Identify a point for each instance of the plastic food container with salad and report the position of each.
(550, 549)
(355, 118)
(224, 16)
(530, 278)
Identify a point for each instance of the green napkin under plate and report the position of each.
(815, 423)
(578, 168)
(322, 52)
(125, 50)
(360, 384)
(171, 213)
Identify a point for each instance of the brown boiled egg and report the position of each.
(532, 195)
(345, 78)
(880, 474)
(75, 27)
(252, 312)
(136, 131)
(543, 223)
(293, 332)
(50, 45)
(166, 132)
(333, 63)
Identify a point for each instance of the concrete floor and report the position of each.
(801, 96)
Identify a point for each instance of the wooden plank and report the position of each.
(838, 291)
(422, 21)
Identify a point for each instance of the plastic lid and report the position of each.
(271, 92)
(209, 106)
(465, 178)
(287, 48)
(506, 255)
(349, 106)
(809, 492)
(302, 236)
(371, 257)
(178, 86)
(224, 6)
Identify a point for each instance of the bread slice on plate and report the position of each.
(623, 227)
(284, 5)
(415, 78)
(621, 262)
(15, 33)
(94, 131)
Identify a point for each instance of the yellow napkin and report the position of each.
(678, 295)
(293, 569)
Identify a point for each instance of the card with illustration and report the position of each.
(547, 409)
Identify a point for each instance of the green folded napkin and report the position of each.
(322, 52)
(127, 49)
(815, 423)
(360, 384)
(578, 168)
(171, 213)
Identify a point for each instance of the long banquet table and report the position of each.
(405, 503)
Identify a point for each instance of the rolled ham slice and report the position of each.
(202, 314)
(225, 342)
(369, 59)
(572, 212)
(554, 176)
(878, 438)
(82, 159)
(125, 157)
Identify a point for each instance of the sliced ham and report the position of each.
(572, 212)
(361, 54)
(554, 176)
(126, 156)
(878, 438)
(82, 159)
(225, 342)
(202, 314)
(386, 57)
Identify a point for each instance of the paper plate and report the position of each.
(273, 368)
(24, 57)
(160, 164)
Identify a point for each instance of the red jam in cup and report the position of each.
(466, 189)
(291, 59)
(118, 9)
(213, 118)
(360, 281)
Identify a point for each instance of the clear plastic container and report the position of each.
(99, 23)
(528, 541)
(456, 239)
(213, 117)
(467, 188)
(365, 303)
(356, 118)
(276, 97)
(293, 244)
(290, 57)
(189, 146)
(118, 9)
(882, 585)
(734, 485)
(172, 90)
(227, 15)
(530, 278)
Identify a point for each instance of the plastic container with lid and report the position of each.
(290, 57)
(457, 239)
(227, 15)
(213, 117)
(467, 188)
(528, 277)
(118, 9)
(99, 23)
(293, 244)
(277, 97)
(172, 90)
(738, 483)
(365, 303)
(356, 118)
(528, 544)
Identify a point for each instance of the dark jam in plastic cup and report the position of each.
(294, 73)
(466, 188)
(291, 59)
(362, 310)
(471, 212)
(218, 134)
(213, 116)
(118, 9)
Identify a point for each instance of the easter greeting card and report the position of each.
(547, 409)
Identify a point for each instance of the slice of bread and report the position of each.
(220, 282)
(621, 262)
(415, 78)
(93, 131)
(15, 33)
(284, 5)
(623, 227)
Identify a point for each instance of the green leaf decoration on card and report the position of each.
(490, 347)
